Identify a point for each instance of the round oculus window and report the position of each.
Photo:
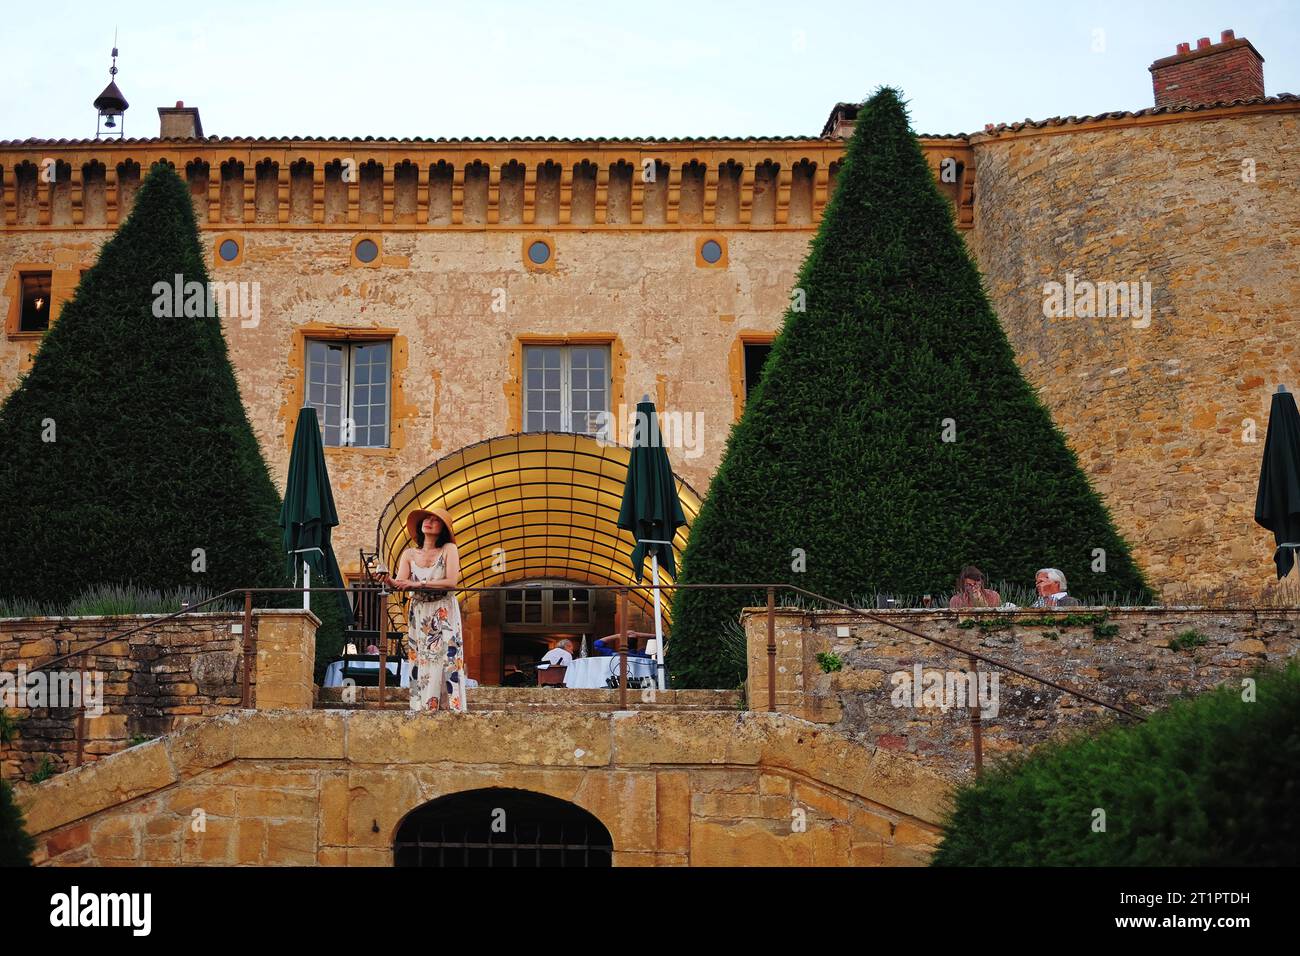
(539, 253)
(711, 251)
(228, 250)
(367, 250)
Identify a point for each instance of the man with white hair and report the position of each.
(1050, 584)
(561, 655)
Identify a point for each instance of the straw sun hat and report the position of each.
(416, 518)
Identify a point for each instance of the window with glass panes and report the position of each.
(566, 388)
(548, 606)
(570, 606)
(349, 381)
(524, 606)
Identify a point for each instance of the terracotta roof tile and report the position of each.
(992, 130)
(401, 140)
(849, 111)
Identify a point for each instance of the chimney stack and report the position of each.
(1231, 69)
(180, 122)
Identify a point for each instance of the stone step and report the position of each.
(542, 699)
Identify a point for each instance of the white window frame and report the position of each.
(566, 386)
(351, 350)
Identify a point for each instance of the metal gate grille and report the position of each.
(500, 827)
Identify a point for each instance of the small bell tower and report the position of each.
(111, 105)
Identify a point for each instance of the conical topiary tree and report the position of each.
(128, 454)
(891, 438)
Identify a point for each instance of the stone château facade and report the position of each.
(463, 290)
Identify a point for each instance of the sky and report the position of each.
(577, 68)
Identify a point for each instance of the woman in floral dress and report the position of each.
(433, 635)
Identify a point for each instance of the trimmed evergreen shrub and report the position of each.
(16, 845)
(153, 455)
(841, 455)
(1211, 781)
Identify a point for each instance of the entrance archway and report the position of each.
(501, 827)
(530, 506)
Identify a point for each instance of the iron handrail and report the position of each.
(858, 612)
(624, 590)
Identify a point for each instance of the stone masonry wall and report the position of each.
(154, 682)
(332, 789)
(1168, 420)
(1120, 656)
(674, 327)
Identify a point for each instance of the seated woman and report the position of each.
(972, 592)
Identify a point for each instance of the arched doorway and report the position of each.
(501, 827)
(530, 509)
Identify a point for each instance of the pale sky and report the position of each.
(577, 68)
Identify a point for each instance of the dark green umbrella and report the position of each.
(1277, 503)
(308, 514)
(651, 509)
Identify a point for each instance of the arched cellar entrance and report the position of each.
(500, 827)
(539, 512)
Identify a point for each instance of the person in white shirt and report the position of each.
(561, 655)
(1050, 584)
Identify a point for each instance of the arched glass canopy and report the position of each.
(531, 506)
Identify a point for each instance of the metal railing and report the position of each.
(624, 629)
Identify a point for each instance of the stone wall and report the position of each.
(332, 788)
(154, 682)
(1122, 657)
(1168, 419)
(672, 327)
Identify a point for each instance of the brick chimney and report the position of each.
(180, 122)
(1231, 69)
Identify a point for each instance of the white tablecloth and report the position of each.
(334, 673)
(593, 671)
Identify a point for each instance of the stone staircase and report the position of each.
(535, 700)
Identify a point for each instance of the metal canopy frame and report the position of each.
(547, 502)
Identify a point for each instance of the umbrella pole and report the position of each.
(306, 583)
(659, 627)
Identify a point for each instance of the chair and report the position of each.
(552, 676)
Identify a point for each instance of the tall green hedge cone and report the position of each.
(891, 437)
(1211, 781)
(128, 453)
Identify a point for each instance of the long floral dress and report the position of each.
(434, 645)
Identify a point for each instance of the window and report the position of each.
(548, 606)
(570, 606)
(367, 250)
(711, 252)
(36, 302)
(755, 355)
(566, 388)
(524, 607)
(347, 384)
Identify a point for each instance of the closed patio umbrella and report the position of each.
(1277, 503)
(651, 510)
(308, 514)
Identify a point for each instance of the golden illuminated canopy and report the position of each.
(535, 505)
